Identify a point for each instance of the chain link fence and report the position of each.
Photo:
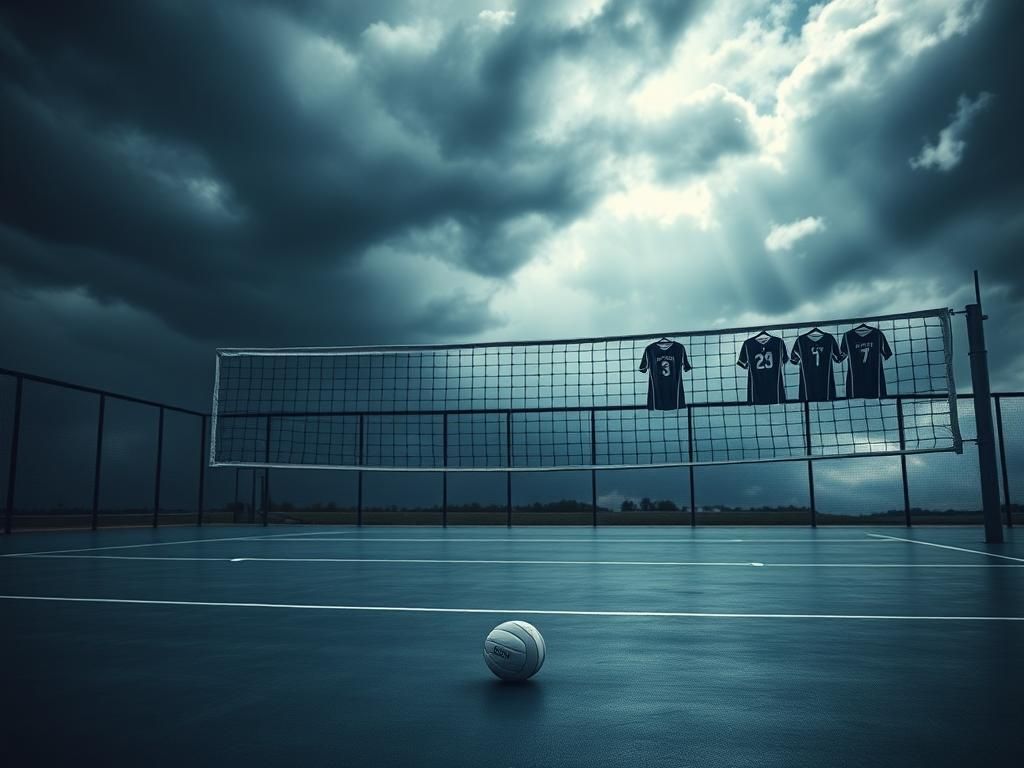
(80, 457)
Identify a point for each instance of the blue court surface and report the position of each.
(363, 647)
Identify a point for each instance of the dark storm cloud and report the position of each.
(269, 174)
(117, 117)
(857, 150)
(158, 153)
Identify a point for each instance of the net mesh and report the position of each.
(572, 404)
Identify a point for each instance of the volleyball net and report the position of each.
(586, 403)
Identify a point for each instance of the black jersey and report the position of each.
(665, 362)
(763, 357)
(814, 353)
(865, 347)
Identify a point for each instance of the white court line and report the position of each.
(611, 540)
(152, 544)
(278, 537)
(517, 562)
(516, 611)
(947, 546)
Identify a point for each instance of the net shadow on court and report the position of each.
(675, 646)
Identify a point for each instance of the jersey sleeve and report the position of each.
(794, 357)
(844, 348)
(785, 355)
(643, 362)
(686, 360)
(883, 346)
(742, 360)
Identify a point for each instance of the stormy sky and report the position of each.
(181, 176)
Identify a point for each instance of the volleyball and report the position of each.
(514, 650)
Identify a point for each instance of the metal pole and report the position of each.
(359, 477)
(159, 466)
(359, 498)
(12, 471)
(252, 501)
(508, 475)
(234, 510)
(202, 471)
(593, 472)
(266, 475)
(266, 496)
(810, 487)
(693, 493)
(444, 478)
(983, 420)
(1002, 460)
(810, 464)
(99, 464)
(508, 499)
(907, 521)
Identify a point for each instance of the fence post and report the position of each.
(444, 477)
(810, 464)
(159, 465)
(202, 471)
(593, 470)
(266, 475)
(1002, 461)
(693, 493)
(266, 496)
(359, 477)
(983, 420)
(99, 464)
(508, 475)
(12, 471)
(903, 462)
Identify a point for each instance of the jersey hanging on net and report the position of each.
(665, 362)
(814, 352)
(865, 347)
(762, 356)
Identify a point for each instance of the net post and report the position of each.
(234, 512)
(1002, 459)
(99, 464)
(903, 462)
(12, 471)
(810, 464)
(983, 420)
(444, 476)
(359, 477)
(689, 440)
(202, 471)
(159, 468)
(252, 501)
(593, 471)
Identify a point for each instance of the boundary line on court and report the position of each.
(431, 561)
(155, 544)
(948, 546)
(603, 541)
(510, 611)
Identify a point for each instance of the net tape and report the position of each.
(569, 404)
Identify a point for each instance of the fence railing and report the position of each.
(19, 514)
